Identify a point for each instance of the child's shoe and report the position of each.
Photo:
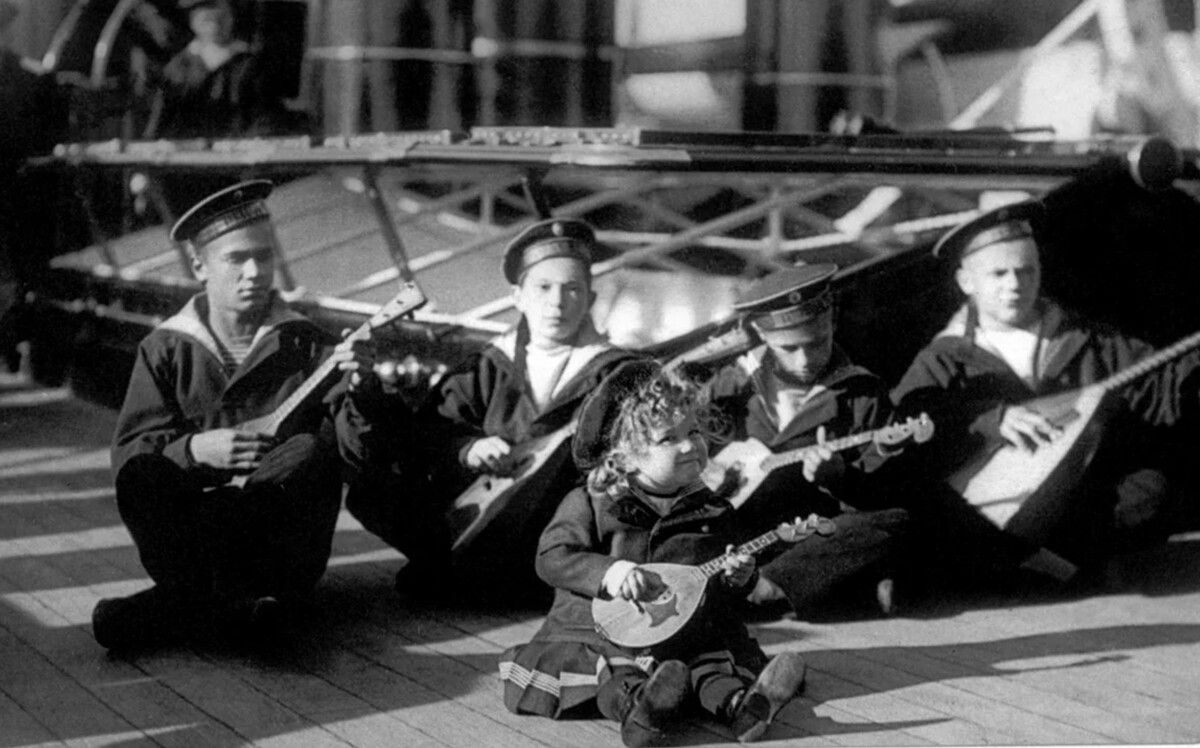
(654, 705)
(779, 682)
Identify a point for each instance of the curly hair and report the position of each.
(661, 403)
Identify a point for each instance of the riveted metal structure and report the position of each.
(684, 218)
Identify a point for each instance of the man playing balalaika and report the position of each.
(982, 379)
(232, 518)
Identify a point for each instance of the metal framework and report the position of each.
(441, 206)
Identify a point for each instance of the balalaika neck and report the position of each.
(796, 455)
(1147, 365)
(270, 424)
(710, 568)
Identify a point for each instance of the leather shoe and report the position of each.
(150, 618)
(656, 704)
(780, 681)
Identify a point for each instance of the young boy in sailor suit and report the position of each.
(224, 556)
(795, 390)
(1009, 344)
(526, 384)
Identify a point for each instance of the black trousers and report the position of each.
(406, 513)
(865, 543)
(272, 537)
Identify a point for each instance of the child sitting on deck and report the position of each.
(642, 435)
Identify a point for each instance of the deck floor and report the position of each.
(373, 669)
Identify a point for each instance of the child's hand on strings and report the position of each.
(637, 585)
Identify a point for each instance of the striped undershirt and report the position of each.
(233, 351)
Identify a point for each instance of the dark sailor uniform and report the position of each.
(965, 384)
(222, 553)
(271, 537)
(965, 388)
(845, 399)
(487, 394)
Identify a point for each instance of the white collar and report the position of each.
(189, 321)
(588, 344)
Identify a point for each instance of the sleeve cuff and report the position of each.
(462, 452)
(187, 452)
(180, 452)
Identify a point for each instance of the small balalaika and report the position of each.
(677, 590)
(274, 423)
(1025, 492)
(752, 461)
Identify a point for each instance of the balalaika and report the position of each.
(274, 423)
(1025, 492)
(752, 461)
(491, 493)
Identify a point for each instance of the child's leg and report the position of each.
(716, 681)
(613, 694)
(644, 704)
(748, 705)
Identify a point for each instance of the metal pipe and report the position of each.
(1082, 13)
(895, 154)
(102, 52)
(391, 237)
(725, 222)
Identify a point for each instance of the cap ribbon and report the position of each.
(237, 216)
(779, 319)
(548, 248)
(1002, 233)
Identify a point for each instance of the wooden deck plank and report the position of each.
(219, 691)
(17, 726)
(68, 710)
(1012, 692)
(142, 701)
(123, 687)
(238, 707)
(390, 702)
(464, 687)
(849, 709)
(1071, 667)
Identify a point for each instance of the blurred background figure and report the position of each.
(12, 74)
(213, 87)
(30, 123)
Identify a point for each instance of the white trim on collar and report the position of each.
(591, 343)
(187, 321)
